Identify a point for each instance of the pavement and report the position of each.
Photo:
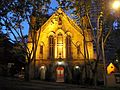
(8, 83)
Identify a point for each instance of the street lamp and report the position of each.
(116, 4)
(116, 7)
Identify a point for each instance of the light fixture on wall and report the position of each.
(60, 62)
(77, 67)
(42, 67)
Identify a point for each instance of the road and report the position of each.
(15, 84)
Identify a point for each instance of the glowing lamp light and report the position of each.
(116, 4)
(117, 60)
(22, 68)
(60, 63)
(42, 67)
(77, 67)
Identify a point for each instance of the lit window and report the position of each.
(59, 45)
(51, 47)
(60, 39)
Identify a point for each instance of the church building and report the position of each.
(63, 49)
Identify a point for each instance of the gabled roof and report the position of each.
(61, 12)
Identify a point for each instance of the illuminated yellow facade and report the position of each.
(61, 48)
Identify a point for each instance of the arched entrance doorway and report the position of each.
(60, 74)
(42, 72)
(76, 74)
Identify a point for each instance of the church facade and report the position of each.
(63, 49)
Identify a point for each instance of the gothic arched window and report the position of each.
(60, 45)
(41, 50)
(68, 47)
(51, 47)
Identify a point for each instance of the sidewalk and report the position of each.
(19, 84)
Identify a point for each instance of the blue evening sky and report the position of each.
(53, 5)
(26, 25)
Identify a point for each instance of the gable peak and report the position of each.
(60, 10)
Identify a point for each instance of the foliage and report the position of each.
(5, 47)
(13, 13)
(9, 53)
(100, 23)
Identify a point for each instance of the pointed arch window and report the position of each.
(68, 47)
(51, 47)
(60, 45)
(41, 49)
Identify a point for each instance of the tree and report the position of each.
(83, 9)
(13, 14)
(5, 46)
(5, 53)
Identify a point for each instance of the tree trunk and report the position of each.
(27, 72)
